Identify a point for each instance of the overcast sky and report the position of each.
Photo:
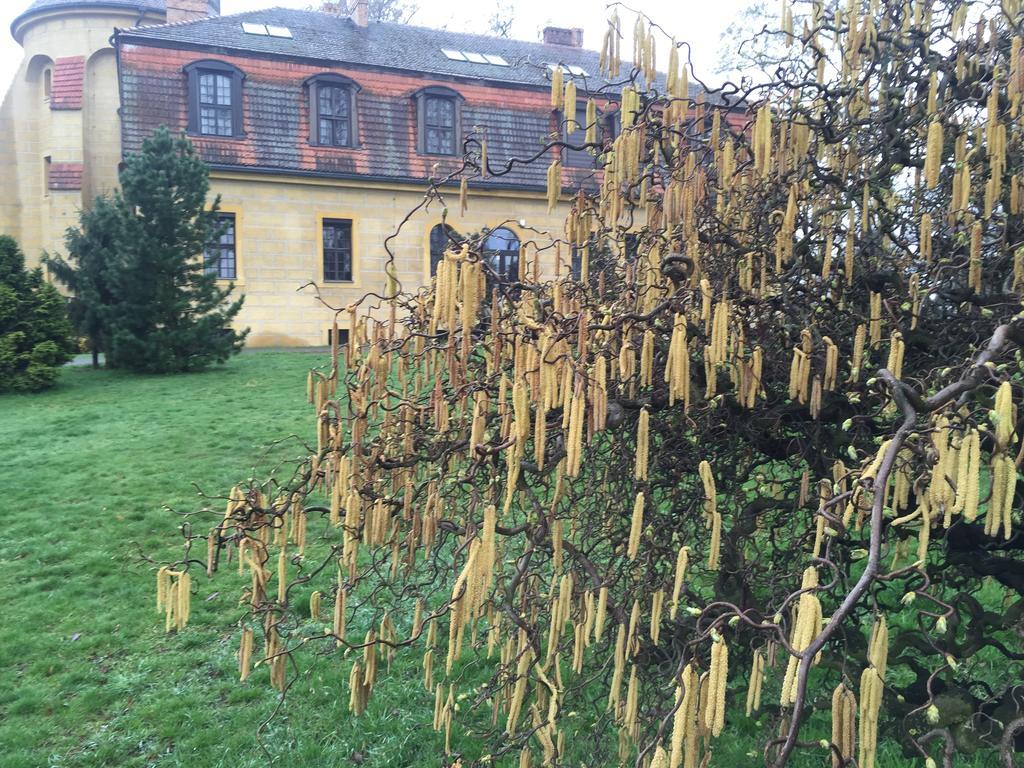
(697, 21)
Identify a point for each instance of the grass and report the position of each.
(94, 469)
(90, 677)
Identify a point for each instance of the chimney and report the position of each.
(360, 12)
(190, 10)
(569, 37)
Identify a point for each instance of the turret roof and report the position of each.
(39, 6)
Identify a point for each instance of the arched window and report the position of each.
(333, 118)
(442, 237)
(214, 99)
(501, 249)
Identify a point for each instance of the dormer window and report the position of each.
(438, 121)
(332, 111)
(215, 99)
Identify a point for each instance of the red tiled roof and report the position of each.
(65, 176)
(68, 83)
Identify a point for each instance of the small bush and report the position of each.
(35, 333)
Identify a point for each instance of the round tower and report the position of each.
(60, 136)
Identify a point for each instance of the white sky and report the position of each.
(697, 21)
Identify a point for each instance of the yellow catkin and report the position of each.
(875, 319)
(282, 576)
(844, 715)
(338, 627)
(806, 626)
(857, 358)
(657, 605)
(926, 237)
(871, 688)
(831, 364)
(556, 87)
(591, 127)
(601, 613)
(933, 154)
(684, 721)
(642, 445)
(636, 527)
(682, 561)
(714, 714)
(896, 347)
(1004, 415)
(754, 686)
(554, 184)
(974, 263)
(245, 654)
(715, 545)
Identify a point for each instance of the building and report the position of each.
(320, 129)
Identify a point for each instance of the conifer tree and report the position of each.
(35, 334)
(170, 314)
(143, 292)
(92, 255)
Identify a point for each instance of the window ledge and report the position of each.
(334, 148)
(210, 137)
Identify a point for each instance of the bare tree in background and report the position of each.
(747, 44)
(501, 19)
(399, 11)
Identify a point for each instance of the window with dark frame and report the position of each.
(337, 239)
(578, 158)
(334, 115)
(215, 99)
(501, 249)
(216, 110)
(441, 239)
(576, 262)
(342, 336)
(439, 125)
(221, 253)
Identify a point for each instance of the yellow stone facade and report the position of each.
(33, 135)
(277, 226)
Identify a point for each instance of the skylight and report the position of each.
(475, 58)
(571, 69)
(266, 30)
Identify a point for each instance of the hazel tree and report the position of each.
(755, 456)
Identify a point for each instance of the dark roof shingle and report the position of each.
(335, 38)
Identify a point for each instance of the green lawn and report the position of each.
(92, 471)
(89, 677)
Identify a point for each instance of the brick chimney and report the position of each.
(569, 37)
(360, 12)
(190, 10)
